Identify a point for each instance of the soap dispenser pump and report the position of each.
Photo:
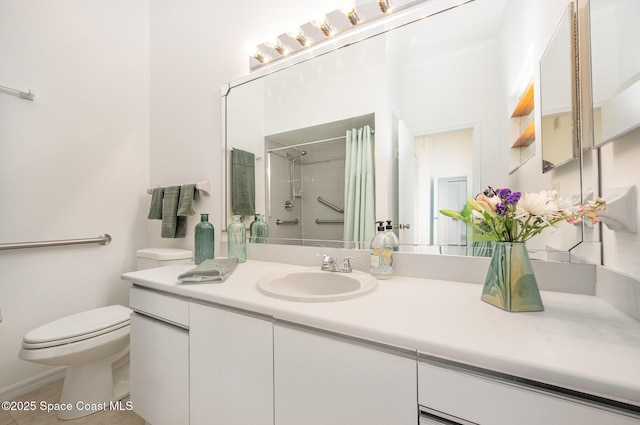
(393, 236)
(381, 254)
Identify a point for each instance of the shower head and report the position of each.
(295, 158)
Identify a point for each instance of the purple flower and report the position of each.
(503, 193)
(501, 209)
(513, 198)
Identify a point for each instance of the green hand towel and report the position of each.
(172, 225)
(155, 210)
(210, 271)
(188, 194)
(243, 182)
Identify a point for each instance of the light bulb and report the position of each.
(323, 24)
(299, 36)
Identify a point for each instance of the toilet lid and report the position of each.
(79, 326)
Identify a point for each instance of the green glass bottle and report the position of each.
(237, 240)
(204, 240)
(259, 230)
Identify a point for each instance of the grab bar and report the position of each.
(279, 222)
(330, 205)
(28, 95)
(318, 221)
(102, 240)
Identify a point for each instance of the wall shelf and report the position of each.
(525, 104)
(527, 137)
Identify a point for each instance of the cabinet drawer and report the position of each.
(483, 401)
(164, 307)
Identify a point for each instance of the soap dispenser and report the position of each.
(393, 236)
(381, 254)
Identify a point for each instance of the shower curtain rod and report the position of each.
(309, 143)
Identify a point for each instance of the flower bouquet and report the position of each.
(510, 219)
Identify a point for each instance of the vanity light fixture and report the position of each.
(300, 37)
(352, 15)
(323, 25)
(277, 45)
(385, 5)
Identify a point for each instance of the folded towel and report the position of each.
(188, 193)
(210, 271)
(155, 210)
(172, 225)
(243, 182)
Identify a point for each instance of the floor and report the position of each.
(51, 394)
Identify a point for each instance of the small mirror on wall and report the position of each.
(557, 96)
(615, 68)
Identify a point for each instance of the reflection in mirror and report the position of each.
(306, 182)
(438, 93)
(557, 94)
(615, 67)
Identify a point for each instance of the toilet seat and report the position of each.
(78, 327)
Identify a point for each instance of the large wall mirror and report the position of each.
(433, 96)
(615, 68)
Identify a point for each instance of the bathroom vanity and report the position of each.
(413, 351)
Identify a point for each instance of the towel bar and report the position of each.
(102, 240)
(28, 95)
(279, 222)
(204, 186)
(318, 221)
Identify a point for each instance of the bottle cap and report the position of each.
(389, 226)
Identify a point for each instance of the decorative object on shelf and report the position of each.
(510, 219)
(204, 240)
(259, 230)
(237, 240)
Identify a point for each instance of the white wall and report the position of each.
(74, 163)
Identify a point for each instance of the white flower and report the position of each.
(478, 218)
(542, 205)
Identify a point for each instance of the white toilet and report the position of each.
(94, 345)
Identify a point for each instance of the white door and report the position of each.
(406, 185)
(231, 368)
(159, 376)
(325, 380)
(452, 195)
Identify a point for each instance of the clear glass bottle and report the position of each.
(259, 230)
(392, 235)
(204, 240)
(237, 240)
(381, 254)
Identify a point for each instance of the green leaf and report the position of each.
(452, 214)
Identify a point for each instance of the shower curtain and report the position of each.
(359, 190)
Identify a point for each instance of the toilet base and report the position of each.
(95, 386)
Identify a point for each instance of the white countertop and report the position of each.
(579, 342)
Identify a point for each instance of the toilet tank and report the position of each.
(149, 258)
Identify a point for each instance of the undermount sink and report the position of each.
(313, 285)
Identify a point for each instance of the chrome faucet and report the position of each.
(330, 264)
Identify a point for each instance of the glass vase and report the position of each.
(204, 240)
(259, 230)
(237, 240)
(510, 283)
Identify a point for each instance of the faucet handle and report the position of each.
(327, 261)
(346, 264)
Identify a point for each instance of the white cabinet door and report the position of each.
(489, 402)
(322, 380)
(159, 376)
(231, 367)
